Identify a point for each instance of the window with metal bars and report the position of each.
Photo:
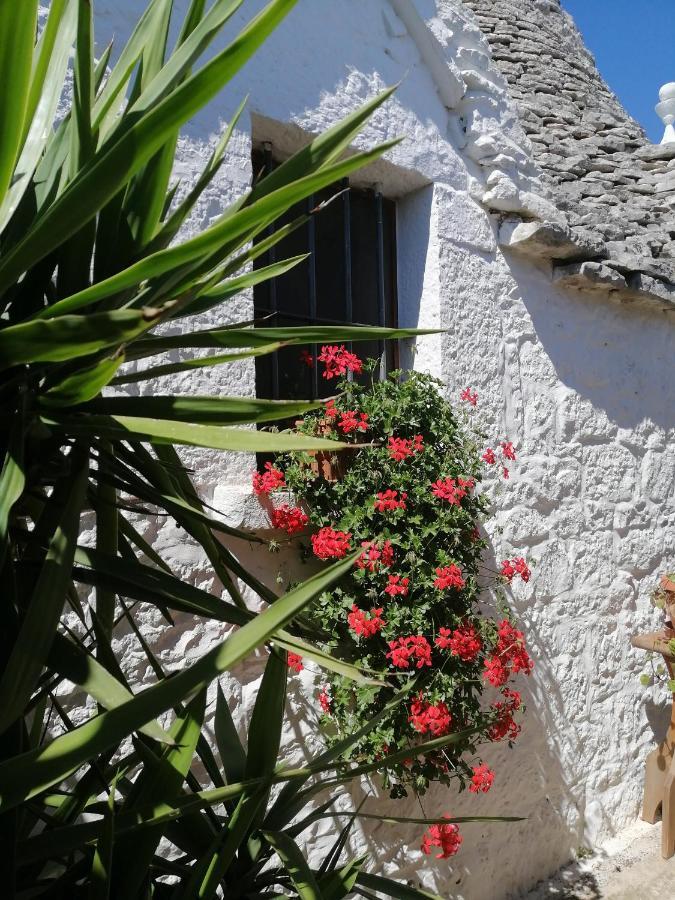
(349, 278)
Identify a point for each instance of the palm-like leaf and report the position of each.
(91, 263)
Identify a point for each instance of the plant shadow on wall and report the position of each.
(92, 263)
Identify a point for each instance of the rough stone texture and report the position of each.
(582, 384)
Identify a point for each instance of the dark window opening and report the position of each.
(349, 278)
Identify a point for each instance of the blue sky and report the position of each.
(633, 42)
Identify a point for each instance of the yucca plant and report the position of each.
(91, 263)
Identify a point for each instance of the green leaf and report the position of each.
(69, 337)
(254, 337)
(53, 51)
(31, 773)
(340, 882)
(394, 889)
(12, 479)
(83, 385)
(159, 431)
(156, 786)
(38, 627)
(82, 669)
(232, 754)
(102, 860)
(295, 865)
(189, 364)
(18, 24)
(201, 410)
(119, 159)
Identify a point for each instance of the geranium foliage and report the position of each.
(411, 605)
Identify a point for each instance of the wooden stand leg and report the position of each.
(668, 816)
(656, 769)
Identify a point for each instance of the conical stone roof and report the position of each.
(599, 167)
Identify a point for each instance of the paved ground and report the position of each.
(630, 867)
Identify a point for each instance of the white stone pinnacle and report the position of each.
(666, 111)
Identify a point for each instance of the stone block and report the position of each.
(652, 288)
(589, 276)
(549, 240)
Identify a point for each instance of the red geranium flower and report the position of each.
(338, 361)
(446, 837)
(270, 480)
(489, 456)
(469, 396)
(307, 358)
(290, 519)
(353, 421)
(294, 662)
(463, 642)
(330, 544)
(513, 567)
(449, 577)
(507, 450)
(387, 501)
(325, 701)
(397, 585)
(404, 649)
(363, 625)
(425, 717)
(482, 779)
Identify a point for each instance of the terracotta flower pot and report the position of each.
(331, 465)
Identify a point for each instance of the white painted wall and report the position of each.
(583, 388)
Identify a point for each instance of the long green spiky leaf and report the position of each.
(255, 337)
(31, 648)
(204, 362)
(18, 23)
(201, 410)
(159, 431)
(69, 337)
(31, 773)
(118, 160)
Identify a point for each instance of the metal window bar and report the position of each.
(311, 275)
(271, 258)
(381, 314)
(347, 251)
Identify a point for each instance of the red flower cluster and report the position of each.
(513, 567)
(449, 577)
(387, 501)
(330, 410)
(401, 448)
(397, 585)
(365, 626)
(307, 358)
(353, 421)
(330, 544)
(403, 649)
(338, 361)
(469, 396)
(463, 642)
(509, 657)
(446, 837)
(325, 701)
(290, 519)
(270, 480)
(490, 457)
(425, 717)
(451, 489)
(482, 779)
(505, 726)
(294, 662)
(373, 557)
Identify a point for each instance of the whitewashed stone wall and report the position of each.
(582, 386)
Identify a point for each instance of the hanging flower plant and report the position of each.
(410, 605)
